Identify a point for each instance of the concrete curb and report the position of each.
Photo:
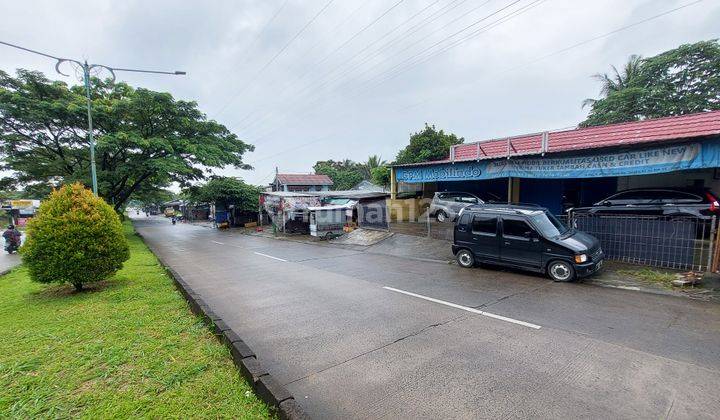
(266, 387)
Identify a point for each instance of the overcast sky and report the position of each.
(351, 85)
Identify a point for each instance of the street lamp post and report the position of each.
(93, 173)
(86, 68)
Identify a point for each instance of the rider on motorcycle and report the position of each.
(12, 238)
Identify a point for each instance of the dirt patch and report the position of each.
(364, 237)
(654, 280)
(63, 290)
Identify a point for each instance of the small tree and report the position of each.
(345, 174)
(225, 190)
(381, 176)
(75, 238)
(426, 145)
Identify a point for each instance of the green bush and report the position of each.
(75, 238)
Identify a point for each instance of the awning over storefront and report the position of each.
(640, 161)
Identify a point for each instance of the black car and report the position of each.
(656, 201)
(526, 237)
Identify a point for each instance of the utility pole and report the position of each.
(86, 69)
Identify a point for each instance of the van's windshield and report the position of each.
(548, 225)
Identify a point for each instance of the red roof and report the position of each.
(303, 179)
(682, 127)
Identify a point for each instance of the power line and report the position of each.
(501, 20)
(300, 146)
(607, 34)
(265, 27)
(581, 43)
(336, 27)
(455, 43)
(358, 33)
(341, 46)
(272, 60)
(475, 23)
(482, 29)
(404, 35)
(565, 49)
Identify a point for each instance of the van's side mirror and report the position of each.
(531, 234)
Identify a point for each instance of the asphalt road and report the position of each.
(359, 335)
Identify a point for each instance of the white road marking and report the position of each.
(219, 243)
(465, 308)
(269, 256)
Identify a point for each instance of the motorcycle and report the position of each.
(174, 220)
(11, 247)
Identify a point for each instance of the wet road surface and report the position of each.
(360, 335)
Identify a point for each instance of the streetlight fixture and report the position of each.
(86, 68)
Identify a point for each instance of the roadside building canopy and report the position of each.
(366, 185)
(285, 206)
(352, 194)
(636, 148)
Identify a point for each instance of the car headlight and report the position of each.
(581, 258)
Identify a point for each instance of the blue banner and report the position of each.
(636, 162)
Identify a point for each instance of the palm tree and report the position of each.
(617, 81)
(373, 162)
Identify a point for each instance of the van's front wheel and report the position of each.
(561, 271)
(465, 258)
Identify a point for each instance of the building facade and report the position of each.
(575, 168)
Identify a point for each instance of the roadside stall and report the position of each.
(288, 211)
(368, 209)
(329, 221)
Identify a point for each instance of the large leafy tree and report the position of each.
(345, 174)
(225, 191)
(145, 139)
(153, 196)
(428, 144)
(680, 81)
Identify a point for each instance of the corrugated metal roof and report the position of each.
(682, 127)
(352, 194)
(289, 194)
(303, 179)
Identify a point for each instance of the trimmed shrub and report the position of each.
(76, 238)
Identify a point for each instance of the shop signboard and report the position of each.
(588, 165)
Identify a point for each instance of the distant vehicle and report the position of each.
(657, 201)
(526, 237)
(445, 206)
(169, 212)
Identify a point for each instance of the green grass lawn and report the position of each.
(127, 347)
